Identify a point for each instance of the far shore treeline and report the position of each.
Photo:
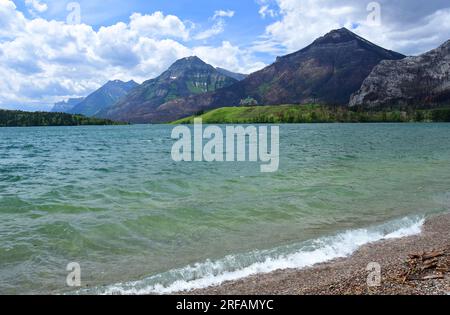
(15, 118)
(279, 114)
(316, 114)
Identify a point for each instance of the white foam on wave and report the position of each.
(234, 267)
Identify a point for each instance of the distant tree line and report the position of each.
(320, 114)
(14, 118)
(325, 114)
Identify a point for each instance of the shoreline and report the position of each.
(314, 113)
(413, 265)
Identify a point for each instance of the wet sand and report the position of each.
(417, 265)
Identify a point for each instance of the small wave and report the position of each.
(233, 267)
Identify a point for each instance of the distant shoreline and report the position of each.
(17, 118)
(287, 114)
(270, 114)
(349, 276)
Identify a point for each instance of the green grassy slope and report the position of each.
(313, 114)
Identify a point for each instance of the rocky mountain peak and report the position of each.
(119, 83)
(341, 35)
(189, 63)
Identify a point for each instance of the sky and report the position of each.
(52, 50)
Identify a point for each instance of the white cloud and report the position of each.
(11, 21)
(230, 57)
(158, 25)
(216, 29)
(223, 13)
(36, 6)
(265, 11)
(433, 30)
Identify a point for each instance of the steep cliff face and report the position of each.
(422, 81)
(187, 76)
(328, 71)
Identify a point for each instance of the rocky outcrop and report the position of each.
(422, 81)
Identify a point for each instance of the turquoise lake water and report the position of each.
(111, 199)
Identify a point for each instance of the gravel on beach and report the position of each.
(416, 265)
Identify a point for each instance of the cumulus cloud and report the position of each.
(42, 62)
(158, 25)
(411, 27)
(12, 22)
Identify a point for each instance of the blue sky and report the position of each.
(245, 26)
(45, 59)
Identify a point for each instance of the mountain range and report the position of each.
(326, 72)
(340, 68)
